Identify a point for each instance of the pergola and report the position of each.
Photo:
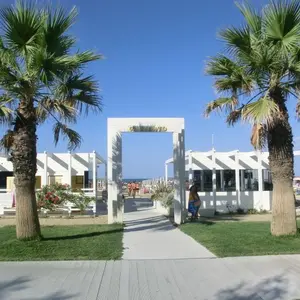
(233, 160)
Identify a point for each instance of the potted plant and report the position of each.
(163, 196)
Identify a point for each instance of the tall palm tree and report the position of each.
(41, 78)
(255, 77)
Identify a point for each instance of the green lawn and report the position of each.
(240, 238)
(85, 242)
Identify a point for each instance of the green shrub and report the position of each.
(81, 201)
(252, 211)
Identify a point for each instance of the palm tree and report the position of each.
(41, 78)
(257, 75)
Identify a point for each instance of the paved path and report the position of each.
(184, 270)
(256, 278)
(149, 235)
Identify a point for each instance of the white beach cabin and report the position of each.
(79, 170)
(229, 180)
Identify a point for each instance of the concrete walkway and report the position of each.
(149, 235)
(254, 278)
(159, 263)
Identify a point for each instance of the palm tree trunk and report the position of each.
(281, 159)
(24, 166)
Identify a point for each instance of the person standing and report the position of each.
(129, 187)
(133, 189)
(194, 202)
(137, 188)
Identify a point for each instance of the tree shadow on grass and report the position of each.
(10, 287)
(82, 235)
(276, 287)
(201, 221)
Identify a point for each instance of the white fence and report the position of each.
(248, 200)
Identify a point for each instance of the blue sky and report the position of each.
(155, 53)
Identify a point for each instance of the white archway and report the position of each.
(115, 128)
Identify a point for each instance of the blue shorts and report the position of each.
(192, 208)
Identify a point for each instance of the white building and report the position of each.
(79, 170)
(229, 180)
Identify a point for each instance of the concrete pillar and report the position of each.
(237, 179)
(105, 176)
(94, 180)
(242, 180)
(190, 168)
(115, 206)
(179, 176)
(166, 173)
(45, 175)
(214, 179)
(69, 181)
(222, 179)
(260, 176)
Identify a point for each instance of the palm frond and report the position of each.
(230, 76)
(57, 24)
(238, 40)
(220, 65)
(6, 110)
(282, 23)
(76, 61)
(74, 139)
(219, 104)
(262, 111)
(258, 136)
(298, 109)
(234, 116)
(7, 141)
(22, 25)
(252, 17)
(47, 107)
(80, 92)
(7, 57)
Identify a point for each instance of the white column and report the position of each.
(179, 176)
(237, 179)
(94, 180)
(242, 180)
(190, 168)
(260, 176)
(222, 179)
(202, 180)
(69, 169)
(45, 176)
(105, 176)
(166, 172)
(214, 178)
(115, 206)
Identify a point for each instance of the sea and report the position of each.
(135, 179)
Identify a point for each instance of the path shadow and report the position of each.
(83, 235)
(10, 287)
(158, 223)
(144, 221)
(276, 287)
(132, 205)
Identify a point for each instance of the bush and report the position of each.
(240, 211)
(81, 201)
(252, 211)
(50, 196)
(164, 193)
